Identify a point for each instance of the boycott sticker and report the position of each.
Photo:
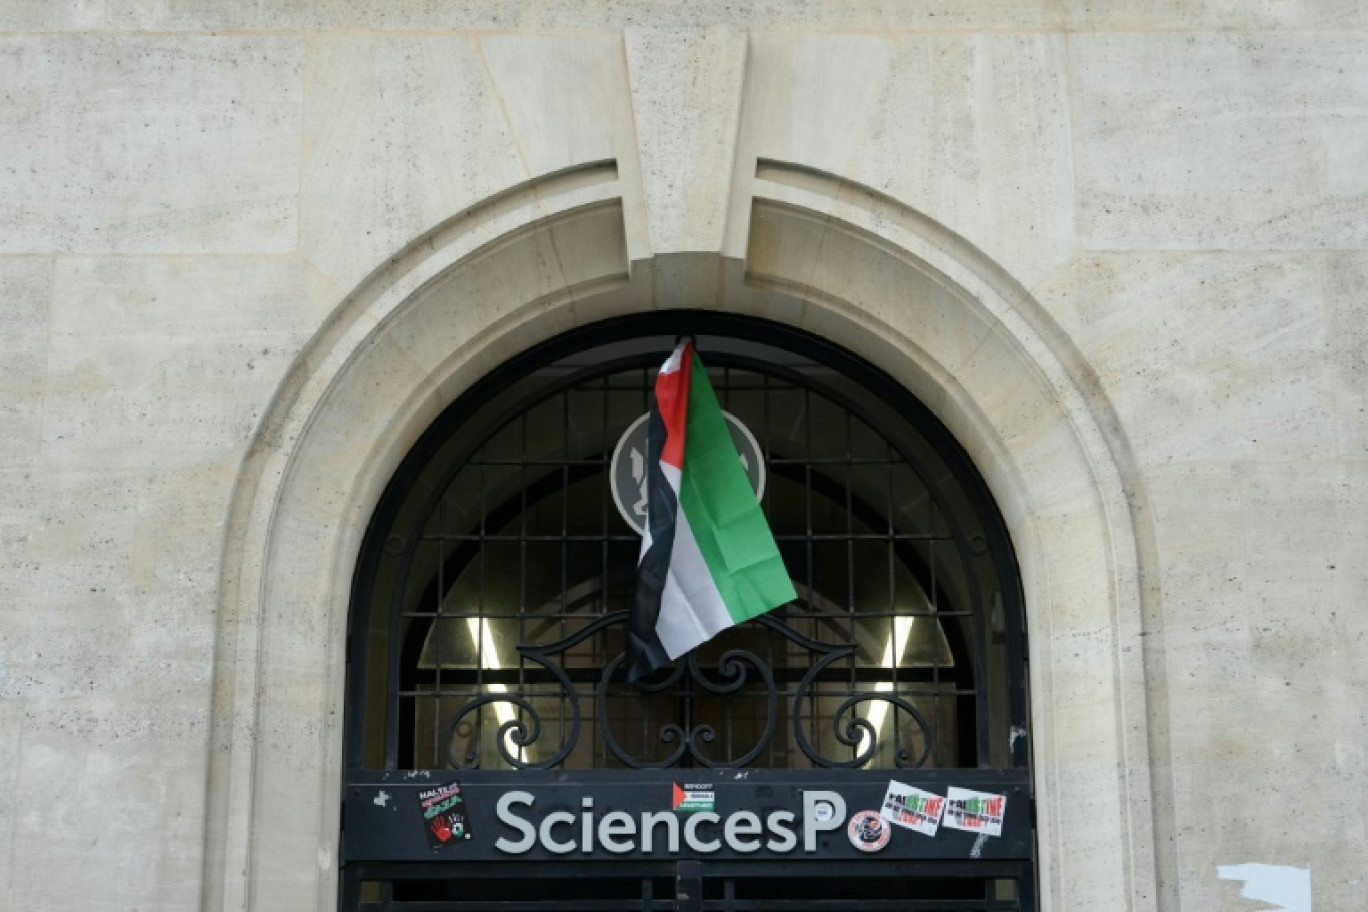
(976, 812)
(912, 808)
(444, 814)
(692, 796)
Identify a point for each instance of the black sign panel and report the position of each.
(669, 815)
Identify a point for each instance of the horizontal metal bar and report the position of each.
(632, 537)
(605, 460)
(523, 905)
(707, 905)
(862, 904)
(532, 675)
(791, 614)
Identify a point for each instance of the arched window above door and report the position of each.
(499, 546)
(491, 598)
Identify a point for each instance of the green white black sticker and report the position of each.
(692, 796)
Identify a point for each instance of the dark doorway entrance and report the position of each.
(692, 886)
(487, 640)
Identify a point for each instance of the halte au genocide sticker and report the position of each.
(868, 831)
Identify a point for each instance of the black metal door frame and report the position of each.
(372, 828)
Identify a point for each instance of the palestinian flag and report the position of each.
(708, 559)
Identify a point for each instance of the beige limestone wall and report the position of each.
(226, 229)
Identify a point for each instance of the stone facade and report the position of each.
(249, 251)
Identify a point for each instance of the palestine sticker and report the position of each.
(976, 812)
(444, 814)
(912, 808)
(868, 831)
(692, 796)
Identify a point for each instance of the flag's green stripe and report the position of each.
(726, 519)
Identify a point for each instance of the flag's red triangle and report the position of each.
(679, 795)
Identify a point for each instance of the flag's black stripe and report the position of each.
(644, 651)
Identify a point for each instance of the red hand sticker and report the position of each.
(440, 828)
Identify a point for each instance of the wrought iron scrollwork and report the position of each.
(850, 729)
(525, 734)
(732, 668)
(737, 673)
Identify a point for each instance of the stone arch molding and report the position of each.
(557, 252)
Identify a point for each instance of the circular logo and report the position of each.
(823, 811)
(868, 831)
(627, 473)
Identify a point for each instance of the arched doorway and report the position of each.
(486, 637)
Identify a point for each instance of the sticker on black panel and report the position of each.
(868, 831)
(444, 815)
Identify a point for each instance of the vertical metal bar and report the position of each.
(435, 632)
(727, 711)
(1025, 884)
(606, 444)
(605, 518)
(688, 886)
(811, 559)
(357, 721)
(522, 566)
(980, 653)
(1018, 671)
(480, 593)
(890, 558)
(395, 645)
(350, 899)
(933, 597)
(1018, 654)
(850, 575)
(565, 511)
(766, 460)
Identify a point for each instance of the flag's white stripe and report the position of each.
(691, 608)
(675, 361)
